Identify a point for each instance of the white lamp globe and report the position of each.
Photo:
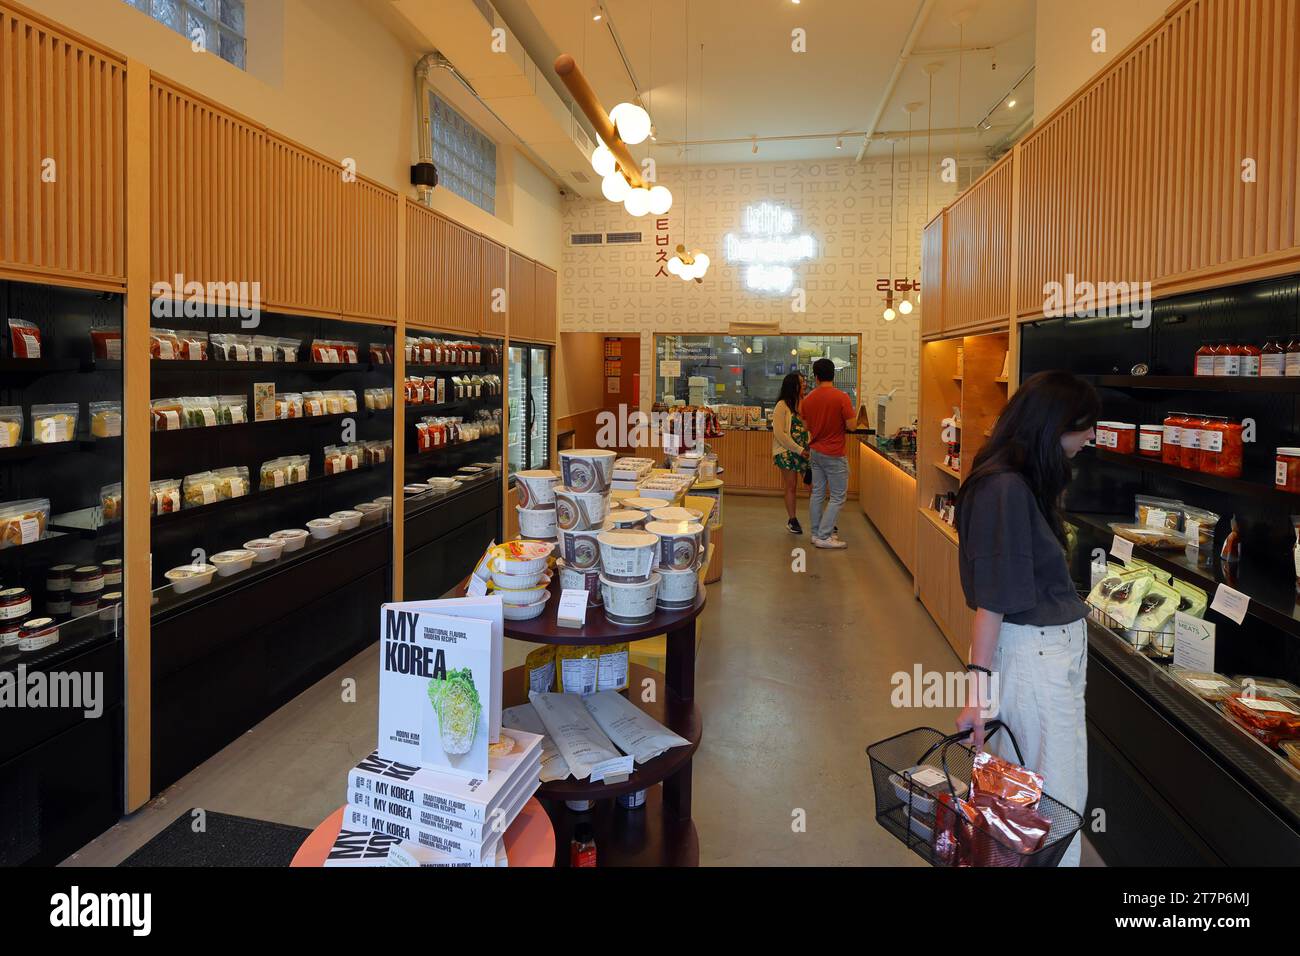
(603, 162)
(615, 187)
(637, 202)
(889, 315)
(905, 307)
(632, 121)
(701, 263)
(661, 200)
(675, 266)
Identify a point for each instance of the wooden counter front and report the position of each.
(746, 457)
(888, 498)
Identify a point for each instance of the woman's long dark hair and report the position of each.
(1027, 439)
(790, 391)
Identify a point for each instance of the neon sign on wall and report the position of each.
(768, 248)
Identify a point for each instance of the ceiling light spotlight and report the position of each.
(755, 149)
(905, 307)
(614, 187)
(661, 200)
(794, 351)
(1011, 104)
(748, 350)
(597, 12)
(603, 161)
(637, 202)
(839, 142)
(632, 121)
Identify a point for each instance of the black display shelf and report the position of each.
(1272, 597)
(40, 366)
(75, 637)
(301, 488)
(458, 447)
(214, 365)
(430, 408)
(1201, 383)
(413, 368)
(266, 427)
(36, 552)
(1233, 486)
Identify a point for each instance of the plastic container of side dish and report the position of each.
(293, 539)
(265, 549)
(233, 561)
(190, 577)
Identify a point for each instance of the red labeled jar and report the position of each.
(1123, 438)
(1292, 362)
(1227, 359)
(1105, 432)
(1287, 475)
(1251, 358)
(1151, 441)
(1189, 442)
(1272, 359)
(15, 603)
(1169, 452)
(1204, 361)
(37, 633)
(11, 631)
(1221, 448)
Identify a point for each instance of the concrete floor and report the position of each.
(793, 678)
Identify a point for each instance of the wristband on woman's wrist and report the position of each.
(977, 667)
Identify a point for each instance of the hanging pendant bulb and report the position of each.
(632, 121)
(889, 315)
(701, 263)
(615, 187)
(661, 200)
(675, 266)
(905, 307)
(637, 202)
(603, 161)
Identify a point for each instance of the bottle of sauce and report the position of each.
(582, 848)
(1251, 355)
(1205, 359)
(1293, 356)
(1272, 360)
(1227, 359)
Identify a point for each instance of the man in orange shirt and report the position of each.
(827, 413)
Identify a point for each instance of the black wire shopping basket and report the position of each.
(911, 811)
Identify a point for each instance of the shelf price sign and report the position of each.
(1193, 642)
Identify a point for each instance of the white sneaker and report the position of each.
(832, 542)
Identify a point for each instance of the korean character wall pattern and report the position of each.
(847, 208)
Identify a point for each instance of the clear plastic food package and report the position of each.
(54, 423)
(166, 414)
(106, 344)
(11, 426)
(232, 409)
(106, 419)
(23, 522)
(201, 489)
(164, 345)
(110, 502)
(288, 405)
(165, 496)
(232, 481)
(25, 338)
(193, 345)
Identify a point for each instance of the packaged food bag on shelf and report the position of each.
(232, 409)
(1199, 525)
(577, 668)
(630, 728)
(54, 423)
(1164, 514)
(273, 474)
(286, 350)
(1159, 539)
(105, 419)
(1269, 719)
(524, 717)
(264, 348)
(313, 404)
(539, 668)
(165, 413)
(1154, 613)
(164, 345)
(578, 737)
(165, 495)
(192, 346)
(288, 405)
(11, 426)
(1125, 601)
(198, 411)
(25, 339)
(106, 344)
(110, 502)
(612, 667)
(1193, 600)
(228, 347)
(232, 482)
(200, 489)
(23, 522)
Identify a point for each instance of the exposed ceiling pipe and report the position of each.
(918, 24)
(802, 137)
(436, 59)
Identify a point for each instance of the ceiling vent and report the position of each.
(622, 238)
(586, 239)
(579, 175)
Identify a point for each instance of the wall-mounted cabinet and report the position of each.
(62, 157)
(523, 307)
(368, 268)
(978, 253)
(544, 304)
(494, 277)
(932, 278)
(304, 206)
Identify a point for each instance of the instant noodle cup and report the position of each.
(580, 510)
(581, 549)
(629, 603)
(680, 544)
(585, 578)
(677, 589)
(627, 556)
(536, 489)
(587, 469)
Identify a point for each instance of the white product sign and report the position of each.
(477, 586)
(1122, 548)
(619, 767)
(670, 368)
(1230, 603)
(573, 608)
(1193, 643)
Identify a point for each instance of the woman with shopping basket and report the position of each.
(1029, 621)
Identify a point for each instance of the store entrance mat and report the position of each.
(224, 840)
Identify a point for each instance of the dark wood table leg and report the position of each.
(679, 674)
(677, 794)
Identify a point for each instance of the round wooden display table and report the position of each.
(530, 839)
(660, 833)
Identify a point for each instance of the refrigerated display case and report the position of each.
(530, 407)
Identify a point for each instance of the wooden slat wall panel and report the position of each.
(368, 251)
(977, 253)
(544, 304)
(62, 100)
(208, 197)
(422, 227)
(523, 282)
(304, 202)
(493, 275)
(462, 281)
(932, 277)
(1139, 178)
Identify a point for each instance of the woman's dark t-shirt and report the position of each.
(1009, 559)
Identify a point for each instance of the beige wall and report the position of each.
(579, 384)
(328, 74)
(1063, 55)
(844, 205)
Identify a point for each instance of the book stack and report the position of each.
(434, 818)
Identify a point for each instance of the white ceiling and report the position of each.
(754, 85)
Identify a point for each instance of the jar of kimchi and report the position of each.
(1221, 447)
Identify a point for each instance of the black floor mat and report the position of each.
(226, 841)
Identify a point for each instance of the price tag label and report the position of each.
(573, 608)
(614, 770)
(477, 586)
(670, 368)
(1122, 548)
(1231, 603)
(1193, 643)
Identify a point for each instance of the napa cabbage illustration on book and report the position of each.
(455, 701)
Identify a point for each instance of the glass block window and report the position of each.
(466, 158)
(218, 24)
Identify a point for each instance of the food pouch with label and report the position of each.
(539, 666)
(577, 668)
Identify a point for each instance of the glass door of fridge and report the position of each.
(517, 412)
(539, 409)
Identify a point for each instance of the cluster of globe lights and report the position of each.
(686, 271)
(633, 125)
